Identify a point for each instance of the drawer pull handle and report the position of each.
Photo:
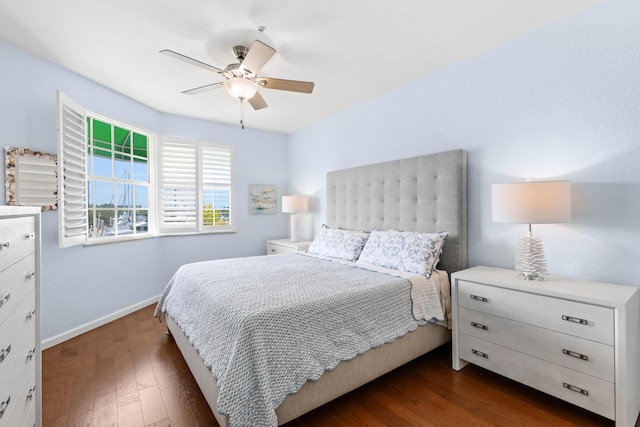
(479, 353)
(32, 391)
(574, 354)
(31, 314)
(576, 389)
(5, 299)
(4, 353)
(575, 320)
(30, 236)
(477, 298)
(31, 354)
(479, 326)
(31, 275)
(4, 405)
(4, 246)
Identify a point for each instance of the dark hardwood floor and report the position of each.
(130, 373)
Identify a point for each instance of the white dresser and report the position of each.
(574, 339)
(283, 246)
(20, 362)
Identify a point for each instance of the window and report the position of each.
(109, 188)
(195, 186)
(117, 179)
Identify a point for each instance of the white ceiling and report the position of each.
(352, 49)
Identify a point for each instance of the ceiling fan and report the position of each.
(241, 78)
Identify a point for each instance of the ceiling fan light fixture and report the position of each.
(241, 88)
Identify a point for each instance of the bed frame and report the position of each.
(426, 193)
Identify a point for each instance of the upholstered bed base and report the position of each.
(347, 376)
(425, 193)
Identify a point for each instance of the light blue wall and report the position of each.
(82, 284)
(560, 103)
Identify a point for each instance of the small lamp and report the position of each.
(543, 202)
(294, 205)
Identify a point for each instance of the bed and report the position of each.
(425, 194)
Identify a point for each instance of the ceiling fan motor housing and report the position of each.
(240, 52)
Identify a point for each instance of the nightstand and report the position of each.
(283, 246)
(574, 339)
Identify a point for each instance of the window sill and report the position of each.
(129, 238)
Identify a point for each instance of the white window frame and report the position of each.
(73, 177)
(151, 161)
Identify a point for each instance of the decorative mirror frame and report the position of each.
(31, 178)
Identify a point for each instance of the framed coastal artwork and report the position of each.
(262, 199)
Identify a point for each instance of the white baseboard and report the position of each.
(50, 342)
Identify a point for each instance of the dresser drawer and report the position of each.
(588, 392)
(18, 334)
(22, 402)
(582, 320)
(16, 283)
(18, 382)
(590, 357)
(30, 420)
(17, 239)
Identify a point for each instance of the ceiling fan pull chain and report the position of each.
(242, 113)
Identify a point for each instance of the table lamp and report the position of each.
(295, 205)
(541, 202)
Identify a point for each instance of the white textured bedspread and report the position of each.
(267, 324)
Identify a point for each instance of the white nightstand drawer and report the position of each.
(591, 393)
(583, 320)
(17, 239)
(16, 282)
(590, 357)
(285, 246)
(278, 249)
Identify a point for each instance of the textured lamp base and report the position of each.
(530, 261)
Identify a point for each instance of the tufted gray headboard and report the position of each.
(425, 193)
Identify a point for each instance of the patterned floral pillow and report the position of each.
(338, 243)
(404, 250)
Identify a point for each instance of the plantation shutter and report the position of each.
(187, 169)
(72, 172)
(217, 177)
(178, 186)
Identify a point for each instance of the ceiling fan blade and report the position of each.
(191, 61)
(281, 84)
(257, 102)
(258, 55)
(197, 90)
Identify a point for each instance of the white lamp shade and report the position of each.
(293, 204)
(542, 202)
(241, 88)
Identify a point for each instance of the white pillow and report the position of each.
(338, 243)
(404, 250)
